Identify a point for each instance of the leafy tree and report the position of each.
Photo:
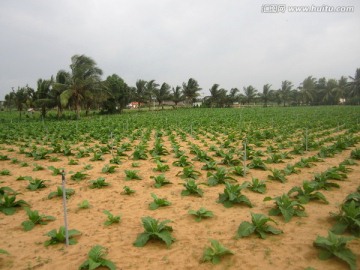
(85, 80)
(44, 99)
(191, 90)
(150, 88)
(265, 96)
(22, 98)
(162, 94)
(285, 91)
(176, 95)
(120, 94)
(250, 93)
(354, 86)
(62, 82)
(307, 89)
(139, 92)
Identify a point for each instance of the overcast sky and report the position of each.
(229, 42)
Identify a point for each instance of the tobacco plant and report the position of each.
(348, 219)
(96, 259)
(335, 246)
(35, 218)
(59, 193)
(160, 181)
(307, 192)
(154, 229)
(158, 202)
(191, 188)
(98, 183)
(201, 213)
(256, 185)
(219, 177)
(286, 207)
(132, 175)
(111, 219)
(9, 204)
(214, 253)
(232, 195)
(127, 190)
(57, 237)
(258, 225)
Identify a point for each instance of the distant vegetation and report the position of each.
(82, 88)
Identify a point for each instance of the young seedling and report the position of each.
(191, 188)
(348, 219)
(73, 162)
(277, 175)
(257, 226)
(158, 202)
(35, 184)
(8, 204)
(111, 219)
(97, 157)
(108, 169)
(59, 193)
(214, 253)
(98, 183)
(84, 204)
(55, 171)
(286, 207)
(160, 181)
(335, 246)
(78, 176)
(182, 162)
(160, 167)
(239, 170)
(8, 191)
(257, 163)
(132, 175)
(127, 190)
(209, 166)
(35, 218)
(201, 213)
(154, 229)
(355, 154)
(57, 237)
(38, 167)
(307, 193)
(5, 172)
(218, 177)
(256, 185)
(96, 259)
(232, 195)
(188, 173)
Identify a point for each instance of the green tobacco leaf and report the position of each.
(245, 229)
(28, 225)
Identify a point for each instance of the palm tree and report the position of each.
(250, 93)
(85, 80)
(176, 95)
(307, 89)
(139, 92)
(162, 94)
(285, 91)
(329, 92)
(22, 97)
(215, 95)
(150, 89)
(62, 82)
(340, 90)
(354, 85)
(266, 93)
(191, 90)
(43, 96)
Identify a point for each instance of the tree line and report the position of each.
(82, 88)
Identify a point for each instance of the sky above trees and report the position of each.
(231, 43)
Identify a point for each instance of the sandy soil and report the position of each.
(291, 250)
